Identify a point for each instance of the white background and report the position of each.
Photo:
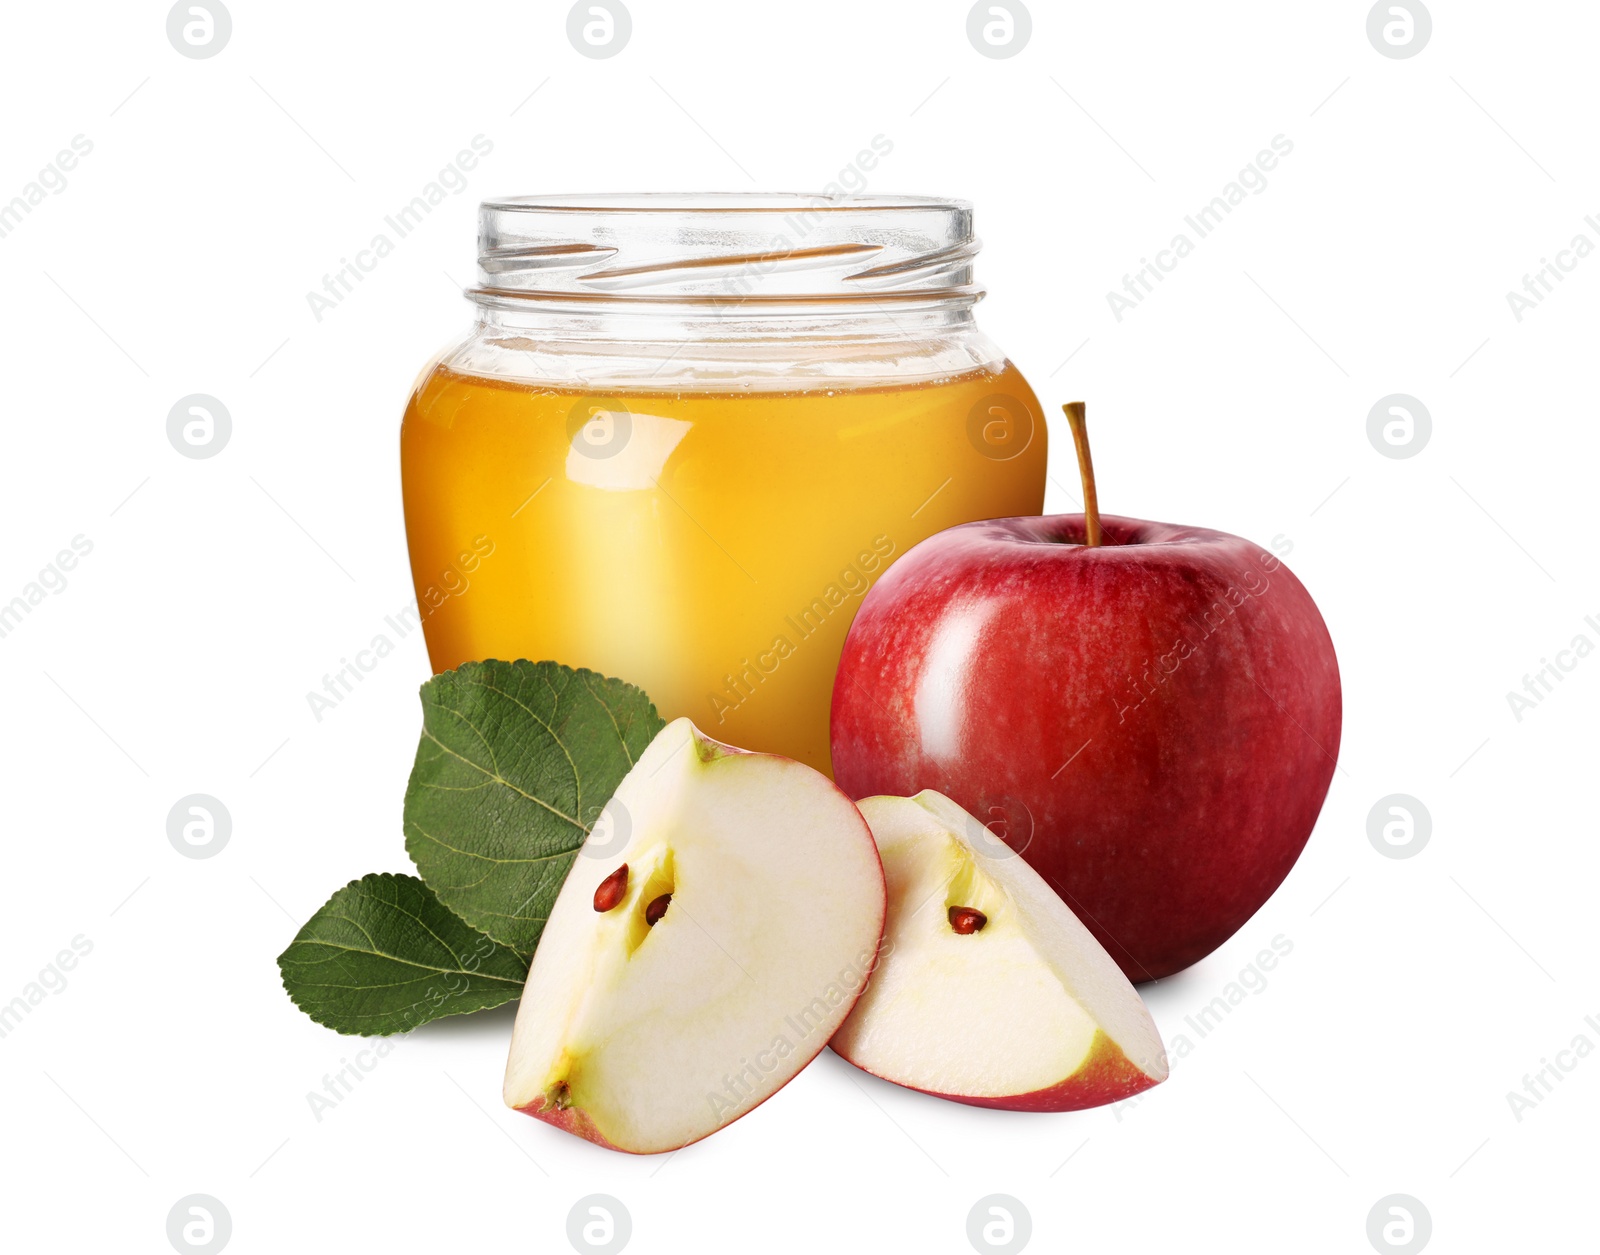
(177, 259)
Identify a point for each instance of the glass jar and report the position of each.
(687, 434)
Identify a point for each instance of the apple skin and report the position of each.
(1153, 722)
(1106, 1076)
(571, 1120)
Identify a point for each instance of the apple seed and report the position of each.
(964, 919)
(656, 909)
(611, 889)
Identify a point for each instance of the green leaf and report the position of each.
(384, 955)
(516, 761)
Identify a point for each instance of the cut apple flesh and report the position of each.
(989, 990)
(683, 979)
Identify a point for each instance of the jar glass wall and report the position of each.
(687, 434)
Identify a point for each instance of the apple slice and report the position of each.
(989, 991)
(684, 978)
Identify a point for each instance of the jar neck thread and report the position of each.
(742, 257)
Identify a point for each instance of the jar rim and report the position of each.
(719, 202)
(752, 249)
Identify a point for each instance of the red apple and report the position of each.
(1152, 721)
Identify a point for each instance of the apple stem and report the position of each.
(1077, 420)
